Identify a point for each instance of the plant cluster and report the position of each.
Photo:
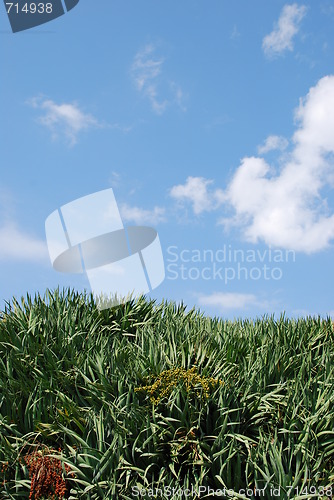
(168, 380)
(236, 404)
(46, 474)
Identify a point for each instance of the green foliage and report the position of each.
(131, 396)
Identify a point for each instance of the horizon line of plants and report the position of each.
(96, 402)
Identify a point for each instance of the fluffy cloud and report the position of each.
(146, 72)
(286, 208)
(142, 216)
(280, 39)
(65, 119)
(272, 143)
(18, 245)
(196, 191)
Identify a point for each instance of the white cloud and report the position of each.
(281, 38)
(235, 34)
(178, 96)
(18, 245)
(146, 72)
(272, 143)
(286, 208)
(301, 313)
(196, 191)
(229, 300)
(115, 179)
(142, 216)
(145, 68)
(65, 119)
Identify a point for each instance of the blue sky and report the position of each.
(213, 122)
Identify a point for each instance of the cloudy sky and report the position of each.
(213, 122)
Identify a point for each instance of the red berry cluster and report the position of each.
(46, 475)
(4, 468)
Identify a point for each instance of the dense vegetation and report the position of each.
(126, 402)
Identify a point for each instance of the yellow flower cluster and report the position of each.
(167, 380)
